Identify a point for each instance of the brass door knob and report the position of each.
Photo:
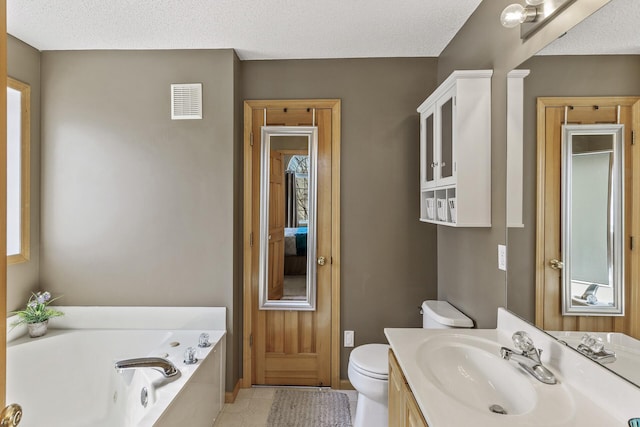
(556, 264)
(11, 415)
(322, 260)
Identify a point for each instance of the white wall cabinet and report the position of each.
(455, 151)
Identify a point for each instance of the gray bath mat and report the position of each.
(300, 408)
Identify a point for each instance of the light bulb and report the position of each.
(512, 15)
(516, 14)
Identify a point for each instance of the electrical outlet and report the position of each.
(348, 338)
(502, 257)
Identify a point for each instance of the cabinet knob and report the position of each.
(322, 260)
(444, 164)
(433, 165)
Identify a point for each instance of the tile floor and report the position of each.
(251, 408)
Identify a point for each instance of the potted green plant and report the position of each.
(37, 314)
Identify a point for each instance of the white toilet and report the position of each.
(369, 365)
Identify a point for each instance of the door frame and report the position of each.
(3, 204)
(630, 323)
(248, 239)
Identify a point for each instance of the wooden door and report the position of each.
(284, 347)
(276, 226)
(551, 117)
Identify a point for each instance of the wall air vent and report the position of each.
(186, 101)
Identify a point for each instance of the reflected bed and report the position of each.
(295, 251)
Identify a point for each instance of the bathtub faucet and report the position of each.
(165, 366)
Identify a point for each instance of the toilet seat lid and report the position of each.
(371, 360)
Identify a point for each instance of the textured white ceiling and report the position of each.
(612, 30)
(264, 29)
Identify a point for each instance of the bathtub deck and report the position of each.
(83, 345)
(252, 407)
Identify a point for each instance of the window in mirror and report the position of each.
(299, 168)
(18, 147)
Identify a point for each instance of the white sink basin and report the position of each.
(471, 371)
(457, 375)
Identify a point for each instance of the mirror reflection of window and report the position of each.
(298, 169)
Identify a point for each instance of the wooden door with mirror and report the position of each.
(552, 114)
(291, 230)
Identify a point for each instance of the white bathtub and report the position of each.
(67, 377)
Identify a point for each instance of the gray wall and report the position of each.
(23, 63)
(555, 76)
(138, 209)
(388, 256)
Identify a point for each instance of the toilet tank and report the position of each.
(442, 315)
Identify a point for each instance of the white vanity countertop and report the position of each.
(627, 350)
(586, 393)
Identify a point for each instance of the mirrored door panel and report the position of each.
(593, 219)
(287, 207)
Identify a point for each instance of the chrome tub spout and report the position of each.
(166, 367)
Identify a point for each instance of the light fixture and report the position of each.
(516, 14)
(531, 16)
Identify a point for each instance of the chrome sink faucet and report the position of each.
(593, 347)
(528, 358)
(166, 367)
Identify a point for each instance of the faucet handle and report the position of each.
(190, 356)
(523, 342)
(203, 340)
(593, 342)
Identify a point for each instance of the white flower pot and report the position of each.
(37, 329)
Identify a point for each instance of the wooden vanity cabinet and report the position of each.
(403, 408)
(396, 390)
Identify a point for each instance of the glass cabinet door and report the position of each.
(429, 152)
(445, 162)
